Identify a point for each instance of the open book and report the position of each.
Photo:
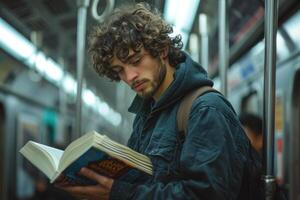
(92, 150)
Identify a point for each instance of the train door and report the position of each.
(2, 138)
(295, 140)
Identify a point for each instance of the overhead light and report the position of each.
(89, 97)
(108, 113)
(53, 71)
(69, 84)
(47, 67)
(14, 42)
(40, 62)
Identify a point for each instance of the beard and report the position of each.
(158, 78)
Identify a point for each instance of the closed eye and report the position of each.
(135, 60)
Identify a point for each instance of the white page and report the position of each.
(56, 154)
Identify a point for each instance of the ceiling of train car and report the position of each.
(245, 25)
(56, 20)
(242, 15)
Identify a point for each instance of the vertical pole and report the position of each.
(269, 96)
(81, 33)
(194, 47)
(223, 45)
(204, 41)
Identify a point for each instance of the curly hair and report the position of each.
(132, 27)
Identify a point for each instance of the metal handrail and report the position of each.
(108, 9)
(81, 37)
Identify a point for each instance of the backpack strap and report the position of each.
(186, 105)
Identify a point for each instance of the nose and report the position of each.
(130, 74)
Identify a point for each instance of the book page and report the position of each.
(54, 153)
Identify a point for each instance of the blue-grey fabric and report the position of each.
(211, 162)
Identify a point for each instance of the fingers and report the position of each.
(102, 180)
(99, 191)
(92, 192)
(62, 181)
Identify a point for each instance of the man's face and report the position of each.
(142, 72)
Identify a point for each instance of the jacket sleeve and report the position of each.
(211, 161)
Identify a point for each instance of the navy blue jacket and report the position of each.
(211, 163)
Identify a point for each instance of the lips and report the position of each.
(139, 86)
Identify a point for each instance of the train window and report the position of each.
(282, 48)
(292, 28)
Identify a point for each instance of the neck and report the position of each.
(166, 82)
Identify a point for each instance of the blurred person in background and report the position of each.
(253, 126)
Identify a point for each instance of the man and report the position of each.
(253, 127)
(211, 161)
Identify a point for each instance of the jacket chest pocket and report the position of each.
(165, 158)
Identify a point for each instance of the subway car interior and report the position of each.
(40, 77)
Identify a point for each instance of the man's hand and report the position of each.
(99, 191)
